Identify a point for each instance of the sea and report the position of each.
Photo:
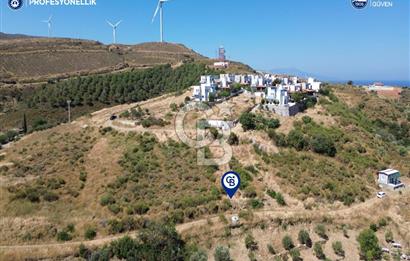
(386, 83)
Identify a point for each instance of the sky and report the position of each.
(326, 38)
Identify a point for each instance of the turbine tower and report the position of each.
(161, 18)
(114, 29)
(49, 22)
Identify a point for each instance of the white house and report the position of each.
(278, 94)
(207, 87)
(313, 85)
(390, 177)
(221, 64)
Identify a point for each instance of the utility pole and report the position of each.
(69, 111)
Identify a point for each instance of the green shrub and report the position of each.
(338, 248)
(70, 228)
(250, 242)
(107, 199)
(114, 208)
(280, 199)
(63, 236)
(382, 222)
(90, 233)
(320, 230)
(3, 138)
(83, 176)
(304, 238)
(271, 193)
(173, 107)
(373, 227)
(295, 254)
(50, 196)
(214, 132)
(141, 208)
(318, 250)
(369, 245)
(256, 203)
(306, 119)
(271, 249)
(222, 254)
(233, 139)
(323, 145)
(199, 255)
(297, 140)
(388, 236)
(287, 242)
(84, 252)
(247, 121)
(278, 138)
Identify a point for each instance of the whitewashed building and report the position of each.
(313, 85)
(208, 86)
(390, 178)
(277, 94)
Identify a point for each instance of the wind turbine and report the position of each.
(161, 18)
(49, 22)
(114, 29)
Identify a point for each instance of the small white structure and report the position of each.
(220, 124)
(235, 220)
(221, 64)
(390, 178)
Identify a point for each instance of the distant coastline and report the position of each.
(386, 83)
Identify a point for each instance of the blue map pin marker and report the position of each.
(230, 182)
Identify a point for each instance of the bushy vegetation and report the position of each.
(320, 230)
(338, 248)
(287, 242)
(304, 238)
(222, 254)
(251, 121)
(250, 242)
(171, 167)
(233, 139)
(46, 106)
(318, 250)
(90, 233)
(369, 245)
(245, 174)
(133, 86)
(304, 174)
(155, 242)
(309, 135)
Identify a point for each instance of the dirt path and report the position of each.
(368, 209)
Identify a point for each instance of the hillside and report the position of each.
(27, 59)
(116, 177)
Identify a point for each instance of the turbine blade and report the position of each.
(118, 23)
(156, 11)
(108, 22)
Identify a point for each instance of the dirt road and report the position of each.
(367, 209)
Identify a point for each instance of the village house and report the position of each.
(390, 178)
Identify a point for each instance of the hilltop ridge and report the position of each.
(31, 59)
